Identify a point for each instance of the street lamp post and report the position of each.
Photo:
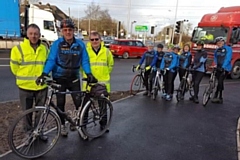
(175, 19)
(131, 28)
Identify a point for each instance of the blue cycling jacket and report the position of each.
(150, 58)
(64, 60)
(185, 59)
(170, 61)
(199, 60)
(223, 57)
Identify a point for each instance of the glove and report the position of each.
(137, 68)
(167, 69)
(91, 78)
(41, 79)
(147, 68)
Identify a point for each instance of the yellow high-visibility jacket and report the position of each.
(27, 65)
(101, 65)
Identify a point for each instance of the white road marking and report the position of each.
(7, 65)
(4, 58)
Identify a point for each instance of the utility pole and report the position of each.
(69, 12)
(175, 19)
(181, 31)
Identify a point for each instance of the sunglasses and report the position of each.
(94, 39)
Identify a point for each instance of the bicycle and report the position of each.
(207, 94)
(137, 83)
(157, 84)
(27, 129)
(185, 85)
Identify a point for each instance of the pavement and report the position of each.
(144, 129)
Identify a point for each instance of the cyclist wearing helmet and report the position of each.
(160, 55)
(199, 69)
(150, 58)
(66, 56)
(170, 63)
(222, 59)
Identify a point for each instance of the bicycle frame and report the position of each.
(212, 80)
(70, 117)
(157, 80)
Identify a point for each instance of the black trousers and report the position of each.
(220, 76)
(197, 78)
(27, 98)
(71, 85)
(168, 79)
(181, 73)
(147, 81)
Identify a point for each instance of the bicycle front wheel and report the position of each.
(155, 93)
(180, 91)
(206, 95)
(96, 117)
(34, 132)
(136, 85)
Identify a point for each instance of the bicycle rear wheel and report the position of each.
(136, 85)
(206, 95)
(96, 117)
(34, 133)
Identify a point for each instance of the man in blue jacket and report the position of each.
(170, 64)
(150, 59)
(66, 56)
(222, 59)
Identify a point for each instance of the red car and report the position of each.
(127, 48)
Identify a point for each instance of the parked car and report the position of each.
(107, 40)
(79, 36)
(127, 48)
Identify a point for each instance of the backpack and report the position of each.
(99, 89)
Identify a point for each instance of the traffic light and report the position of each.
(178, 26)
(152, 29)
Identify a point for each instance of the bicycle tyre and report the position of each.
(29, 148)
(155, 93)
(206, 95)
(136, 82)
(180, 91)
(92, 116)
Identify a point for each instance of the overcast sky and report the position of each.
(154, 12)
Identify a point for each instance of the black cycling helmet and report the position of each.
(159, 45)
(200, 43)
(218, 39)
(67, 23)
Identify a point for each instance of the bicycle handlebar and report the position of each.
(134, 68)
(52, 83)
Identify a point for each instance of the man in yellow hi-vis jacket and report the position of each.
(27, 62)
(101, 60)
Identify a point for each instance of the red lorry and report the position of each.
(225, 23)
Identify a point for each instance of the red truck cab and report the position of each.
(225, 23)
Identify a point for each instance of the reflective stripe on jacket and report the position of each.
(101, 65)
(27, 64)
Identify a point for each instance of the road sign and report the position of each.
(140, 28)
